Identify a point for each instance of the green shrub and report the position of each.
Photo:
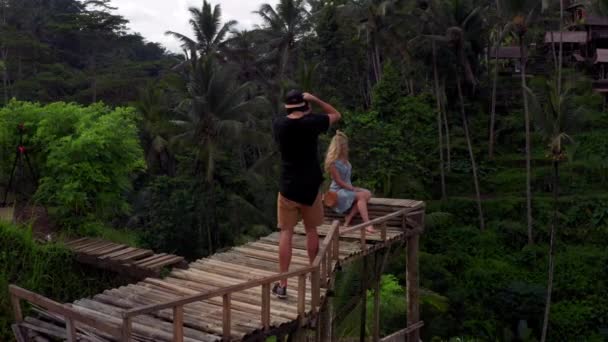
(85, 156)
(571, 321)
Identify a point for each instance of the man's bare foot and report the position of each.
(371, 230)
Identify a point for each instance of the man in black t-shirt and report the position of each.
(297, 135)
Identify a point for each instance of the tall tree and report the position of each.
(213, 113)
(438, 99)
(286, 24)
(464, 25)
(373, 24)
(99, 31)
(556, 117)
(209, 32)
(522, 13)
(499, 36)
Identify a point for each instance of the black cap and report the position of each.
(294, 99)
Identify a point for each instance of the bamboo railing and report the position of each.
(320, 272)
(70, 315)
(321, 275)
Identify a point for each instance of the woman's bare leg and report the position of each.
(353, 212)
(362, 199)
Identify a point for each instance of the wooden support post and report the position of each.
(266, 306)
(70, 326)
(323, 272)
(315, 290)
(328, 261)
(16, 303)
(363, 239)
(362, 333)
(376, 337)
(413, 312)
(336, 248)
(227, 324)
(383, 232)
(330, 320)
(127, 326)
(301, 297)
(178, 324)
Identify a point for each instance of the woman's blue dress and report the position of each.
(346, 198)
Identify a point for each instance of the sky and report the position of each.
(151, 18)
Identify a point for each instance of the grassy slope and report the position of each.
(49, 270)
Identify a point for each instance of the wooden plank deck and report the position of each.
(203, 320)
(133, 262)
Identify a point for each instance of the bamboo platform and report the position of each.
(225, 297)
(133, 262)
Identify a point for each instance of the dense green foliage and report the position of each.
(84, 156)
(191, 167)
(50, 270)
(72, 50)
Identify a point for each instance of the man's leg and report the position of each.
(313, 217)
(285, 251)
(312, 242)
(288, 216)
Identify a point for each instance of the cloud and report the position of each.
(151, 18)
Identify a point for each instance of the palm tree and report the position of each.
(522, 13)
(153, 108)
(500, 33)
(214, 113)
(215, 118)
(208, 30)
(463, 25)
(372, 17)
(438, 98)
(285, 24)
(244, 49)
(554, 117)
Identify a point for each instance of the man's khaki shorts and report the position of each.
(289, 213)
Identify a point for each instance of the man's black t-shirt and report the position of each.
(301, 174)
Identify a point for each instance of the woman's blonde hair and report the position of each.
(336, 149)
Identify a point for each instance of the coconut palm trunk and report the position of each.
(5, 81)
(528, 139)
(493, 109)
(465, 125)
(551, 248)
(556, 158)
(446, 124)
(439, 123)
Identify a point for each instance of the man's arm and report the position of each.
(334, 115)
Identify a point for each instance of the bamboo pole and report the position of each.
(227, 324)
(413, 312)
(71, 330)
(301, 297)
(178, 324)
(315, 291)
(127, 327)
(16, 303)
(266, 306)
(377, 309)
(362, 332)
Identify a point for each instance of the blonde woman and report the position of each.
(350, 198)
